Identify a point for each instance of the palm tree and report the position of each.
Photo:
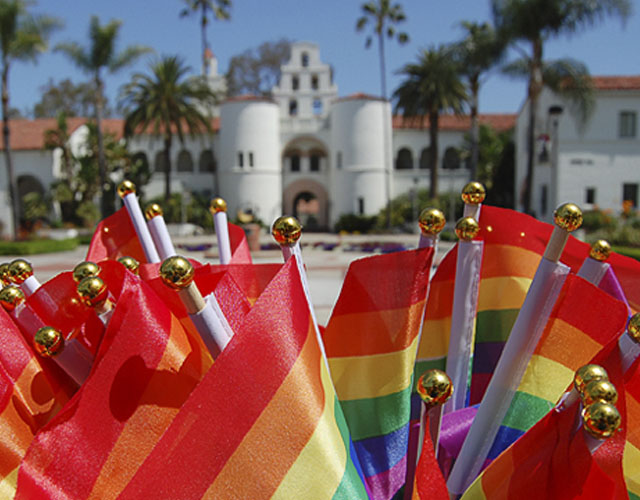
(535, 21)
(477, 53)
(166, 103)
(23, 37)
(383, 15)
(218, 8)
(432, 86)
(101, 55)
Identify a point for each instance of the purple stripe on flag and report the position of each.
(610, 284)
(486, 356)
(381, 453)
(386, 484)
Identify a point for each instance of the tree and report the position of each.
(219, 9)
(165, 103)
(477, 53)
(257, 71)
(23, 37)
(431, 86)
(533, 22)
(68, 98)
(101, 55)
(383, 15)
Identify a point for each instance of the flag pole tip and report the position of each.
(599, 390)
(19, 271)
(92, 290)
(217, 205)
(434, 387)
(126, 187)
(11, 296)
(84, 270)
(467, 228)
(177, 272)
(473, 193)
(601, 420)
(431, 221)
(48, 341)
(600, 250)
(568, 216)
(4, 274)
(588, 373)
(286, 230)
(153, 210)
(130, 263)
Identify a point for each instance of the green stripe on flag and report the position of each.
(494, 325)
(525, 411)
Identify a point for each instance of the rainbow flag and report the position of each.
(428, 484)
(264, 422)
(583, 321)
(240, 253)
(631, 458)
(115, 237)
(145, 368)
(371, 341)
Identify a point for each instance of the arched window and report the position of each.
(404, 161)
(293, 107)
(295, 162)
(425, 158)
(451, 158)
(295, 83)
(317, 107)
(159, 163)
(140, 159)
(207, 162)
(185, 162)
(314, 82)
(315, 157)
(305, 59)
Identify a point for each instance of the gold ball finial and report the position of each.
(153, 210)
(19, 271)
(467, 228)
(48, 341)
(600, 250)
(92, 291)
(431, 221)
(177, 272)
(633, 328)
(568, 217)
(586, 374)
(434, 387)
(599, 390)
(286, 230)
(217, 205)
(11, 296)
(126, 187)
(84, 270)
(4, 274)
(130, 263)
(601, 420)
(473, 193)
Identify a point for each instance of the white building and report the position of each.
(592, 165)
(306, 151)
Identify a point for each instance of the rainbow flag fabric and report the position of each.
(264, 422)
(583, 321)
(115, 237)
(631, 458)
(371, 341)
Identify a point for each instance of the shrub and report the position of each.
(594, 220)
(355, 223)
(31, 247)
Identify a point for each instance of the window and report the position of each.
(360, 206)
(295, 163)
(630, 194)
(544, 195)
(240, 159)
(185, 162)
(250, 158)
(305, 59)
(295, 83)
(451, 159)
(293, 107)
(425, 158)
(160, 164)
(404, 161)
(339, 160)
(314, 82)
(140, 159)
(207, 162)
(590, 195)
(314, 162)
(317, 107)
(627, 124)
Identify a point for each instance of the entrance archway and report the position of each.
(308, 201)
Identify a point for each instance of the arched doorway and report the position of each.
(31, 201)
(307, 200)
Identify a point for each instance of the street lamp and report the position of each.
(554, 115)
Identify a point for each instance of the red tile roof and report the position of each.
(500, 122)
(630, 82)
(29, 134)
(247, 97)
(360, 96)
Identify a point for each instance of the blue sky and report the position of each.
(608, 49)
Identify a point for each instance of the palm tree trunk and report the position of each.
(535, 87)
(203, 24)
(167, 167)
(13, 188)
(102, 164)
(383, 70)
(433, 138)
(475, 127)
(387, 168)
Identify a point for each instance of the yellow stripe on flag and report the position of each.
(631, 467)
(435, 338)
(362, 377)
(505, 292)
(545, 378)
(8, 484)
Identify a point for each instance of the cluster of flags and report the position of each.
(287, 408)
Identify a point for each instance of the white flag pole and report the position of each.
(159, 232)
(218, 209)
(127, 192)
(522, 341)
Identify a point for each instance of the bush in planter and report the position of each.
(594, 220)
(355, 223)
